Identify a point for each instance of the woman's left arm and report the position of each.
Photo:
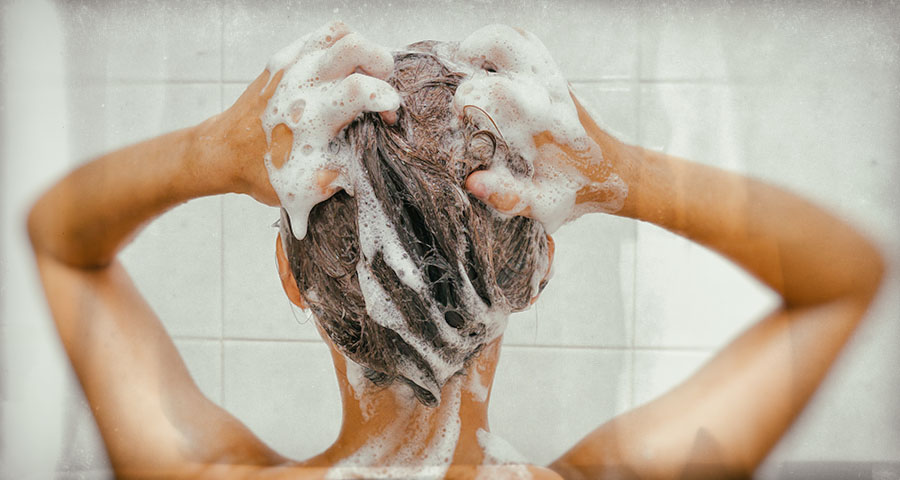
(151, 415)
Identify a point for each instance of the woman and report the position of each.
(719, 423)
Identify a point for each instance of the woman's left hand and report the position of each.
(517, 86)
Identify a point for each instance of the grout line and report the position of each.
(685, 81)
(611, 79)
(118, 82)
(615, 348)
(195, 338)
(222, 216)
(636, 85)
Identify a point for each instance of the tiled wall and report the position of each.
(804, 96)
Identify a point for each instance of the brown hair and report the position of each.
(472, 259)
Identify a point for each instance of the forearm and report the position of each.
(743, 400)
(793, 246)
(85, 218)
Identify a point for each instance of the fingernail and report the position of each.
(476, 188)
(389, 117)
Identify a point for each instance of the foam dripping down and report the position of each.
(315, 106)
(315, 100)
(405, 448)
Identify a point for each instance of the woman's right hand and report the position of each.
(330, 76)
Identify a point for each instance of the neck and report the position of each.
(387, 425)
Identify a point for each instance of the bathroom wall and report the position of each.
(804, 96)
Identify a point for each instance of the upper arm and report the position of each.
(150, 413)
(732, 411)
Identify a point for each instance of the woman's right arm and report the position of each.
(154, 420)
(726, 417)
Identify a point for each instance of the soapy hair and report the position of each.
(417, 170)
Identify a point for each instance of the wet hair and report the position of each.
(474, 262)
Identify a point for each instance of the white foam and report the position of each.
(515, 81)
(499, 452)
(378, 233)
(361, 387)
(479, 389)
(314, 107)
(399, 452)
(384, 312)
(314, 103)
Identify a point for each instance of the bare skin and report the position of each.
(722, 421)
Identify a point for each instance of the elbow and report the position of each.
(853, 271)
(32, 227)
(872, 270)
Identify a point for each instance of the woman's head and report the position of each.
(410, 277)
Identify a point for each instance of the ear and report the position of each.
(288, 283)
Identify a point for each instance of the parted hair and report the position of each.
(470, 257)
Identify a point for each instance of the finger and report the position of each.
(271, 84)
(551, 250)
(328, 34)
(504, 201)
(354, 52)
(282, 140)
(389, 117)
(360, 93)
(499, 191)
(492, 47)
(325, 181)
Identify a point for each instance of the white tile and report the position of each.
(89, 121)
(546, 399)
(832, 141)
(285, 392)
(86, 475)
(854, 415)
(584, 302)
(522, 328)
(83, 448)
(688, 296)
(176, 262)
(770, 42)
(600, 40)
(147, 41)
(657, 371)
(137, 112)
(681, 40)
(255, 303)
(105, 116)
(612, 105)
(204, 361)
(698, 122)
(685, 294)
(231, 92)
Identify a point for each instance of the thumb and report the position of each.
(499, 190)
